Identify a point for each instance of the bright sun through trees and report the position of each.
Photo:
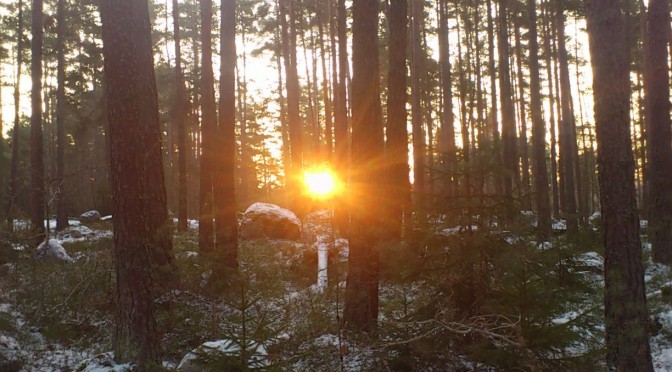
(320, 182)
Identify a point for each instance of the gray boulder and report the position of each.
(263, 220)
(90, 216)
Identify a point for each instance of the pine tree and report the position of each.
(626, 312)
(37, 197)
(142, 239)
(361, 293)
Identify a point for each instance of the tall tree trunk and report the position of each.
(226, 224)
(660, 135)
(341, 137)
(494, 108)
(417, 78)
(288, 29)
(37, 194)
(538, 132)
(551, 101)
(447, 146)
(142, 236)
(61, 202)
(509, 156)
(567, 139)
(209, 133)
(626, 311)
(524, 153)
(361, 292)
(397, 134)
(325, 92)
(14, 167)
(180, 118)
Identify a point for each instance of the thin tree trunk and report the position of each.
(509, 157)
(37, 194)
(524, 153)
(494, 109)
(180, 118)
(206, 228)
(538, 132)
(14, 167)
(447, 146)
(61, 203)
(567, 139)
(417, 68)
(396, 150)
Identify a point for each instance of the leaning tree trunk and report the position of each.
(626, 312)
(657, 102)
(361, 292)
(142, 230)
(37, 198)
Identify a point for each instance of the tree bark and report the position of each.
(142, 230)
(226, 224)
(209, 133)
(625, 300)
(657, 104)
(37, 197)
(509, 156)
(180, 118)
(447, 146)
(538, 132)
(417, 79)
(361, 292)
(397, 134)
(61, 201)
(567, 139)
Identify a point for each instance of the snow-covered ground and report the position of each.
(37, 353)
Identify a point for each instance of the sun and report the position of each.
(320, 182)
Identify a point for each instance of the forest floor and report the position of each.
(54, 315)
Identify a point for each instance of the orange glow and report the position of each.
(321, 182)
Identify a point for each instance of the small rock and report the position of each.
(197, 360)
(90, 216)
(52, 250)
(263, 220)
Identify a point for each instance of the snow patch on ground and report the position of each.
(52, 249)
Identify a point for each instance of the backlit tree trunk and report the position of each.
(37, 198)
(142, 230)
(61, 206)
(180, 117)
(396, 150)
(361, 293)
(538, 132)
(657, 103)
(209, 134)
(226, 225)
(625, 300)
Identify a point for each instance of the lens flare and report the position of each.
(320, 183)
